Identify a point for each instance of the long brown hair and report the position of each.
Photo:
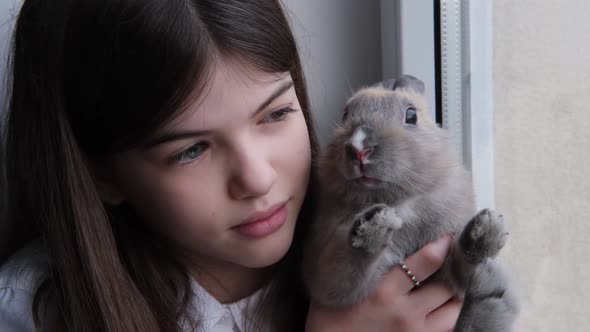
(91, 78)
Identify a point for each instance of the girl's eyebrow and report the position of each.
(284, 87)
(170, 136)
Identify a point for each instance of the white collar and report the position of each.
(214, 316)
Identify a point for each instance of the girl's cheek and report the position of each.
(298, 151)
(300, 139)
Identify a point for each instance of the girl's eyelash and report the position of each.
(279, 115)
(189, 154)
(195, 151)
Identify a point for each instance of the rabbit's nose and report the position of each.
(356, 145)
(355, 154)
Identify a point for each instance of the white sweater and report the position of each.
(22, 274)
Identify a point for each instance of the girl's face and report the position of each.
(225, 180)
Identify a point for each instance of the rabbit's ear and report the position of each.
(404, 82)
(387, 84)
(409, 82)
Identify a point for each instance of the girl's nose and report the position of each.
(252, 175)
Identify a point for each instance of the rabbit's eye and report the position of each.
(411, 116)
(345, 115)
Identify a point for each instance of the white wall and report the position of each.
(542, 138)
(340, 45)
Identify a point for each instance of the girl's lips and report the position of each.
(264, 223)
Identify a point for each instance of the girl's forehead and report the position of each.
(234, 90)
(239, 80)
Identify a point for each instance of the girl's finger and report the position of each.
(429, 297)
(422, 264)
(444, 318)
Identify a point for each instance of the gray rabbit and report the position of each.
(390, 183)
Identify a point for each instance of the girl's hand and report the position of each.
(396, 305)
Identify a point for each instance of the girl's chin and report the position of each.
(266, 253)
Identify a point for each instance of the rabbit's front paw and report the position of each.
(373, 228)
(484, 236)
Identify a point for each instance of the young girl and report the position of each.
(158, 169)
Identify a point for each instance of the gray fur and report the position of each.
(421, 193)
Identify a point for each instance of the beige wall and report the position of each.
(542, 136)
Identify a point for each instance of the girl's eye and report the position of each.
(279, 115)
(411, 116)
(190, 154)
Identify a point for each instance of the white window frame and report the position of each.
(466, 73)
